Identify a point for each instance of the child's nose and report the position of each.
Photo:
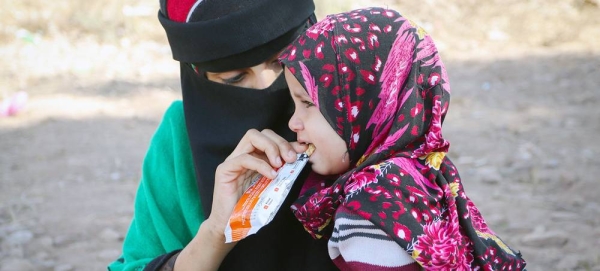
(295, 124)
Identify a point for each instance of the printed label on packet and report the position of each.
(263, 198)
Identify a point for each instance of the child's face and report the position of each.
(311, 127)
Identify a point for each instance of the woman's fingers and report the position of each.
(257, 152)
(233, 168)
(275, 147)
(256, 142)
(286, 150)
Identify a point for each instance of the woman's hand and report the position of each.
(257, 152)
(260, 152)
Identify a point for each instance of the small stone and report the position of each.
(568, 263)
(498, 220)
(63, 267)
(587, 153)
(45, 242)
(570, 123)
(21, 237)
(489, 175)
(524, 154)
(497, 35)
(545, 239)
(64, 240)
(115, 176)
(109, 254)
(466, 160)
(551, 163)
(486, 86)
(110, 235)
(46, 264)
(568, 216)
(5, 230)
(42, 255)
(16, 264)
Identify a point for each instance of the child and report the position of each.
(377, 79)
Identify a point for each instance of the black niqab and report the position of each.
(217, 116)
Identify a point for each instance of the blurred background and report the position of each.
(83, 85)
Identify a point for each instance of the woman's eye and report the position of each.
(234, 80)
(276, 63)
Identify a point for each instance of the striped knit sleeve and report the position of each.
(358, 244)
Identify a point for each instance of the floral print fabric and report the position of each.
(380, 83)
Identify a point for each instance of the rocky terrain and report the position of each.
(524, 122)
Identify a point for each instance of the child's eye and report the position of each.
(308, 104)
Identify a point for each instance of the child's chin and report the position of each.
(320, 170)
(316, 169)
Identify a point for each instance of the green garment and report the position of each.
(167, 206)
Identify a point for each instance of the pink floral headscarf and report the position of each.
(380, 83)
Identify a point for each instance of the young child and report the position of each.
(371, 93)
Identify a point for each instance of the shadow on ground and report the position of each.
(523, 134)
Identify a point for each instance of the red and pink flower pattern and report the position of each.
(441, 247)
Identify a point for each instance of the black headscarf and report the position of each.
(226, 35)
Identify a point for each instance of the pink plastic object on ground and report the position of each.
(13, 104)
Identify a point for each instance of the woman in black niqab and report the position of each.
(219, 36)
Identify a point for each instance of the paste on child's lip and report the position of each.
(310, 150)
(261, 200)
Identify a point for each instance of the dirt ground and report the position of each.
(524, 125)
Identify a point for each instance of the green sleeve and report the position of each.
(167, 211)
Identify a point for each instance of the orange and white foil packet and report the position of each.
(263, 198)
